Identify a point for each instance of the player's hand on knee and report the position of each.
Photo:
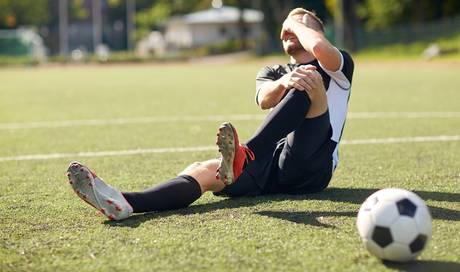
(315, 80)
(299, 79)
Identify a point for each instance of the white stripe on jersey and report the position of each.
(338, 94)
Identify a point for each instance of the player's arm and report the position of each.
(270, 93)
(314, 42)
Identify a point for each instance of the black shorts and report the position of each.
(301, 163)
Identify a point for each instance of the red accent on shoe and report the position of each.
(109, 201)
(111, 217)
(118, 208)
(242, 154)
(93, 173)
(102, 211)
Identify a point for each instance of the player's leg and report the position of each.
(283, 119)
(308, 148)
(176, 193)
(180, 191)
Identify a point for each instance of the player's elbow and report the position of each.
(264, 106)
(319, 48)
(264, 103)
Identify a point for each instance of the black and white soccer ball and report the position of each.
(394, 224)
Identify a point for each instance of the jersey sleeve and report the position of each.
(266, 74)
(344, 74)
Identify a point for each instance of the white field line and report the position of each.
(420, 139)
(210, 118)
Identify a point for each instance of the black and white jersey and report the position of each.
(337, 85)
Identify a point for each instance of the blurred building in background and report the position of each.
(213, 26)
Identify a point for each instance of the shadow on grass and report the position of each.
(348, 195)
(307, 218)
(424, 266)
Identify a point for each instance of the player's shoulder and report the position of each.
(347, 58)
(348, 65)
(277, 69)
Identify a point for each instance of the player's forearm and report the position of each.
(309, 38)
(270, 94)
(315, 43)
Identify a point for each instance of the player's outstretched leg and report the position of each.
(93, 190)
(234, 155)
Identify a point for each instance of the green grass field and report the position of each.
(45, 227)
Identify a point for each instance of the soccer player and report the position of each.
(294, 151)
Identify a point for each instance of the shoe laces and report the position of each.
(249, 154)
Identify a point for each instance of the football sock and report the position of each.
(176, 193)
(283, 119)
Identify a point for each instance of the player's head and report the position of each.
(291, 44)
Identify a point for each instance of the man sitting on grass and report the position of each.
(294, 151)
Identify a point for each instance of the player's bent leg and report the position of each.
(318, 104)
(307, 154)
(283, 119)
(94, 191)
(205, 174)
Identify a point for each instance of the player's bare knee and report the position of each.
(191, 168)
(318, 105)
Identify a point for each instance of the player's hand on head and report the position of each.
(287, 28)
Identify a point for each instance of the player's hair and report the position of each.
(312, 19)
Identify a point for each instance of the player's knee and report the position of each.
(210, 165)
(191, 168)
(196, 164)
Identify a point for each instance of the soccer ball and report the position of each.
(394, 224)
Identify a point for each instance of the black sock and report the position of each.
(284, 118)
(176, 193)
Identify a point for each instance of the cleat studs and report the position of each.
(102, 211)
(109, 201)
(118, 208)
(111, 217)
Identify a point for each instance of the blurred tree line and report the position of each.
(367, 14)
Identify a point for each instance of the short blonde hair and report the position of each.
(312, 19)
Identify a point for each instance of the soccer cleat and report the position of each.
(234, 155)
(94, 191)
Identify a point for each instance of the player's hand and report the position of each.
(317, 85)
(300, 78)
(287, 28)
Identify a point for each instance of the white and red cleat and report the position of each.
(94, 191)
(234, 155)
